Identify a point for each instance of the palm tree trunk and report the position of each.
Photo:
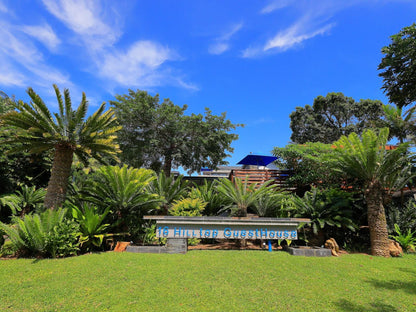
(377, 220)
(58, 182)
(167, 166)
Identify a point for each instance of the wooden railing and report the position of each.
(278, 177)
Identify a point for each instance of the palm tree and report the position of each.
(66, 134)
(378, 169)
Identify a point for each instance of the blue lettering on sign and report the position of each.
(263, 232)
(279, 234)
(160, 231)
(165, 231)
(294, 235)
(286, 234)
(271, 234)
(243, 233)
(227, 232)
(250, 234)
(207, 233)
(177, 231)
(214, 233)
(235, 233)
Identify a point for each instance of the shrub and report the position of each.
(48, 234)
(190, 207)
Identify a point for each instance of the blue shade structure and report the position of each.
(257, 160)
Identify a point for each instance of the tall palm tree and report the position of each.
(402, 127)
(378, 169)
(66, 134)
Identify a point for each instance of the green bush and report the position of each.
(191, 207)
(48, 234)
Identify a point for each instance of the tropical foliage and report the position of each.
(242, 195)
(66, 134)
(48, 234)
(168, 189)
(24, 201)
(325, 208)
(406, 240)
(208, 193)
(375, 168)
(92, 228)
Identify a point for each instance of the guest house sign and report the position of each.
(226, 228)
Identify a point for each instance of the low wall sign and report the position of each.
(226, 228)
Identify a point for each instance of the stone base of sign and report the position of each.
(309, 251)
(173, 246)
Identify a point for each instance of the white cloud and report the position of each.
(83, 17)
(44, 34)
(23, 63)
(137, 66)
(295, 34)
(275, 5)
(218, 48)
(221, 43)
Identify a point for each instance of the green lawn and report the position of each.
(209, 281)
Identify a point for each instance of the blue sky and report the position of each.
(255, 60)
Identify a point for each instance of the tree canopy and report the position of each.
(398, 67)
(158, 135)
(332, 116)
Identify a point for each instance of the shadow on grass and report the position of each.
(407, 286)
(378, 306)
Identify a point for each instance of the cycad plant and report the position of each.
(65, 133)
(46, 234)
(168, 189)
(325, 208)
(124, 190)
(373, 166)
(208, 193)
(242, 195)
(406, 240)
(23, 201)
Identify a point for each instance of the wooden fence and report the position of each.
(278, 177)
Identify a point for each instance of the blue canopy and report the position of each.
(257, 160)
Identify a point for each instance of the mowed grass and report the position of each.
(209, 281)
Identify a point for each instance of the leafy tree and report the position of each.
(375, 169)
(332, 116)
(398, 67)
(306, 165)
(66, 134)
(401, 126)
(160, 136)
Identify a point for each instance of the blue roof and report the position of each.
(257, 160)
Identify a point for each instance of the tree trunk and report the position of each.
(167, 166)
(58, 182)
(377, 220)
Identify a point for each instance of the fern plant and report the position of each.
(406, 240)
(24, 201)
